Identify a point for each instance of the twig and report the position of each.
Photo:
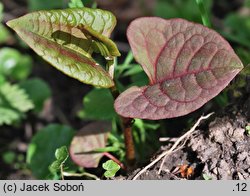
(166, 153)
(175, 150)
(168, 139)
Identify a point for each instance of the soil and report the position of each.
(219, 149)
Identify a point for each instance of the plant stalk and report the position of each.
(126, 122)
(129, 143)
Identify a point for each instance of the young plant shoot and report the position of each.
(187, 64)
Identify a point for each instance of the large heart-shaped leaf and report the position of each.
(67, 38)
(187, 65)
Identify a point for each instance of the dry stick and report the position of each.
(166, 153)
(168, 139)
(175, 150)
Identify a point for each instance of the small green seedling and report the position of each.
(111, 168)
(61, 155)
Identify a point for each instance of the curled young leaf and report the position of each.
(187, 65)
(67, 39)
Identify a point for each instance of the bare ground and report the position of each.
(218, 149)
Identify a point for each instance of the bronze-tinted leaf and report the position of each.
(87, 140)
(187, 65)
(67, 39)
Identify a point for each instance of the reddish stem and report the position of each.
(110, 156)
(128, 136)
(128, 139)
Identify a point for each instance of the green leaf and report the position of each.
(16, 97)
(55, 167)
(61, 155)
(125, 65)
(135, 69)
(104, 45)
(76, 4)
(111, 168)
(238, 29)
(139, 79)
(14, 65)
(14, 102)
(98, 105)
(38, 91)
(8, 116)
(43, 146)
(108, 149)
(67, 38)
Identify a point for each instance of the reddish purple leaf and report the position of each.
(90, 138)
(187, 65)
